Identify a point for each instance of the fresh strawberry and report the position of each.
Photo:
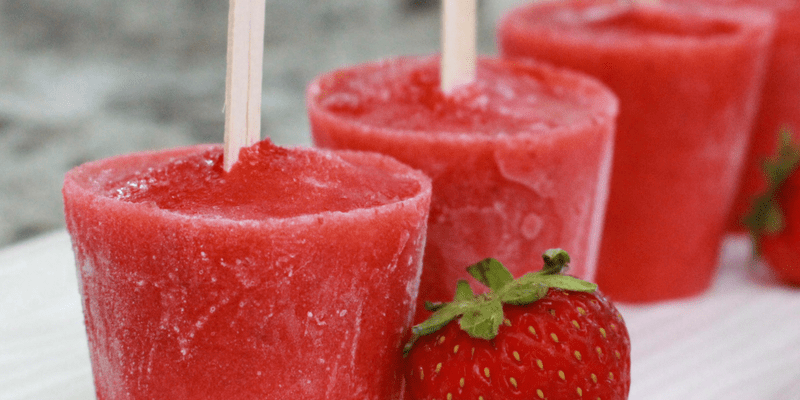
(542, 336)
(774, 220)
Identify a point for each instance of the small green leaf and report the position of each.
(483, 320)
(463, 291)
(567, 282)
(520, 292)
(773, 219)
(438, 320)
(491, 273)
(765, 216)
(434, 306)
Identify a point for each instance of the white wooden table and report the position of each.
(740, 341)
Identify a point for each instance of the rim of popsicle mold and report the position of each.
(606, 106)
(82, 181)
(738, 24)
(779, 7)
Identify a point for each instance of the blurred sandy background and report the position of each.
(86, 79)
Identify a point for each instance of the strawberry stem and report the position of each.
(555, 260)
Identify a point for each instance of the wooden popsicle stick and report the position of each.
(243, 78)
(459, 52)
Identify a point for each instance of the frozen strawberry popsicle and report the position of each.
(780, 97)
(688, 83)
(292, 276)
(519, 159)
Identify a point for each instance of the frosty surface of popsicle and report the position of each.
(688, 83)
(294, 275)
(519, 159)
(780, 95)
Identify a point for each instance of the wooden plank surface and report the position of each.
(740, 341)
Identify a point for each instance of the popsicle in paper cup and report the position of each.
(293, 275)
(519, 158)
(688, 83)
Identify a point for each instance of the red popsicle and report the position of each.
(519, 158)
(780, 97)
(688, 84)
(293, 276)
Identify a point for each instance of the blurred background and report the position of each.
(82, 80)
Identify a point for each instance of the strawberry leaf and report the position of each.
(491, 273)
(439, 319)
(765, 216)
(521, 292)
(434, 306)
(483, 321)
(773, 219)
(463, 291)
(565, 282)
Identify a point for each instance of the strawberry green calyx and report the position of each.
(766, 217)
(481, 315)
